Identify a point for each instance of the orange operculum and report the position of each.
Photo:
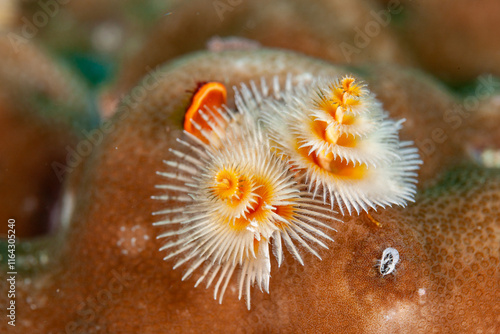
(212, 95)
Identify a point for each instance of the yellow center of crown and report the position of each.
(344, 96)
(231, 187)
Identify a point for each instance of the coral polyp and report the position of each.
(340, 139)
(238, 199)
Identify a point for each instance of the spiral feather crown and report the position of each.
(337, 135)
(234, 199)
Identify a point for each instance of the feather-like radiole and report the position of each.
(230, 198)
(337, 135)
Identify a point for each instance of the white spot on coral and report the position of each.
(132, 240)
(392, 319)
(421, 294)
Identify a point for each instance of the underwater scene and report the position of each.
(249, 166)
